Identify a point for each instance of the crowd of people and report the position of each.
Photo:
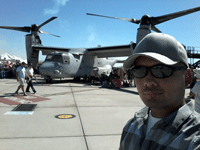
(22, 72)
(117, 78)
(8, 69)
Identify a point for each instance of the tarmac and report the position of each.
(69, 116)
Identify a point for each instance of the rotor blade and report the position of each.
(160, 19)
(52, 18)
(47, 33)
(155, 29)
(137, 21)
(24, 29)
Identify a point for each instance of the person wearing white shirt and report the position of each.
(30, 72)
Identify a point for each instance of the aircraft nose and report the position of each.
(46, 68)
(49, 68)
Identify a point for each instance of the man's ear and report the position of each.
(188, 77)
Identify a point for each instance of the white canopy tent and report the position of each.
(4, 73)
(8, 57)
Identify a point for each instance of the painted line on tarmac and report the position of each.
(20, 99)
(19, 113)
(64, 93)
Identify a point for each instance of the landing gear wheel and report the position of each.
(77, 78)
(48, 80)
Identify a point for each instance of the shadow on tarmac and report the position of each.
(42, 82)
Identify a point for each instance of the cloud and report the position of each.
(56, 8)
(91, 37)
(92, 34)
(13, 46)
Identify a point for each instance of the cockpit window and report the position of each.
(48, 58)
(54, 58)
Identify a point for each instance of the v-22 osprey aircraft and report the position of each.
(68, 62)
(80, 62)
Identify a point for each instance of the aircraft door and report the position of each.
(71, 64)
(87, 65)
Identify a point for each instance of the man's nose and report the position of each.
(150, 80)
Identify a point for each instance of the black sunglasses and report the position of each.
(158, 71)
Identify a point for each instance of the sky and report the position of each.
(78, 30)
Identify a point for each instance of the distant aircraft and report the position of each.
(80, 62)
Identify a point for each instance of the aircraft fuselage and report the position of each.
(62, 65)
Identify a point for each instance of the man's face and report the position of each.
(160, 93)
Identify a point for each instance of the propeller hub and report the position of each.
(145, 20)
(34, 27)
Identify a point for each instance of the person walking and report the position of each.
(31, 74)
(20, 75)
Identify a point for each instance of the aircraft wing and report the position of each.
(112, 51)
(48, 49)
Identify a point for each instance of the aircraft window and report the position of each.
(66, 59)
(48, 58)
(55, 58)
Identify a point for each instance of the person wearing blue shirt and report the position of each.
(20, 75)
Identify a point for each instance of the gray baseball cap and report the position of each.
(161, 47)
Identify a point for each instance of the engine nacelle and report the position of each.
(142, 32)
(32, 56)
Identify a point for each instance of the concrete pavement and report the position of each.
(100, 115)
